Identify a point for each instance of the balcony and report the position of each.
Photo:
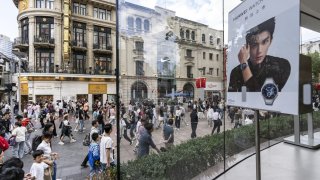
(98, 71)
(138, 52)
(43, 41)
(189, 75)
(21, 43)
(189, 58)
(102, 48)
(79, 45)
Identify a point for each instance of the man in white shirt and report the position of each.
(216, 121)
(106, 154)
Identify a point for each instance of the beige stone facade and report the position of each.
(171, 60)
(71, 38)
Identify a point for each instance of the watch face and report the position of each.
(269, 91)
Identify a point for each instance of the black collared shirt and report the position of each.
(271, 67)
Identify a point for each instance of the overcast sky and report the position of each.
(204, 11)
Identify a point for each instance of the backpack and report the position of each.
(36, 142)
(4, 145)
(86, 140)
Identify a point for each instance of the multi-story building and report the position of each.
(70, 46)
(162, 55)
(310, 47)
(5, 46)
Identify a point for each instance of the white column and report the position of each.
(58, 41)
(32, 33)
(90, 61)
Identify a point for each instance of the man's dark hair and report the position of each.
(148, 126)
(170, 121)
(94, 122)
(47, 127)
(268, 25)
(12, 173)
(37, 153)
(108, 128)
(18, 124)
(12, 162)
(95, 136)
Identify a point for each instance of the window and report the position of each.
(48, 4)
(217, 57)
(44, 29)
(146, 26)
(79, 34)
(211, 40)
(25, 31)
(101, 14)
(102, 38)
(103, 65)
(189, 72)
(130, 23)
(187, 34)
(182, 33)
(203, 38)
(139, 68)
(139, 46)
(204, 71)
(138, 24)
(217, 71)
(210, 56)
(79, 63)
(189, 53)
(204, 55)
(80, 9)
(210, 71)
(218, 41)
(44, 62)
(193, 36)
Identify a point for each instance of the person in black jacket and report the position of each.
(194, 123)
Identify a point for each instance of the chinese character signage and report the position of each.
(263, 55)
(97, 89)
(201, 82)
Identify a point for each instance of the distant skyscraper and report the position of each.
(5, 46)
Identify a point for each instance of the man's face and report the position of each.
(259, 47)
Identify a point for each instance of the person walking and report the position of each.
(94, 129)
(194, 122)
(216, 121)
(106, 148)
(178, 117)
(19, 133)
(210, 116)
(145, 141)
(168, 134)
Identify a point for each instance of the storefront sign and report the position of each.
(213, 86)
(263, 55)
(201, 82)
(97, 89)
(24, 89)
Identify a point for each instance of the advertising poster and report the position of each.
(263, 55)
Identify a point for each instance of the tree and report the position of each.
(315, 57)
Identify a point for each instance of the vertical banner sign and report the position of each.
(201, 82)
(263, 55)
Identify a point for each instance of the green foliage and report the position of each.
(315, 64)
(197, 155)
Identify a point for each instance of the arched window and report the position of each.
(181, 33)
(139, 91)
(130, 23)
(203, 38)
(188, 90)
(193, 36)
(138, 24)
(187, 34)
(146, 25)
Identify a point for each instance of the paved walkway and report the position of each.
(72, 154)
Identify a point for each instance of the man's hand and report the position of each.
(244, 54)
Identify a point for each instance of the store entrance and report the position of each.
(82, 97)
(42, 99)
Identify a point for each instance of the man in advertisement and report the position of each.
(255, 66)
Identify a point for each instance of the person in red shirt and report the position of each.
(25, 122)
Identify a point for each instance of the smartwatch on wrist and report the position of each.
(243, 66)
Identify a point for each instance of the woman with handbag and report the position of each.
(66, 130)
(19, 136)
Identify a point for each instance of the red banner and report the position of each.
(201, 82)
